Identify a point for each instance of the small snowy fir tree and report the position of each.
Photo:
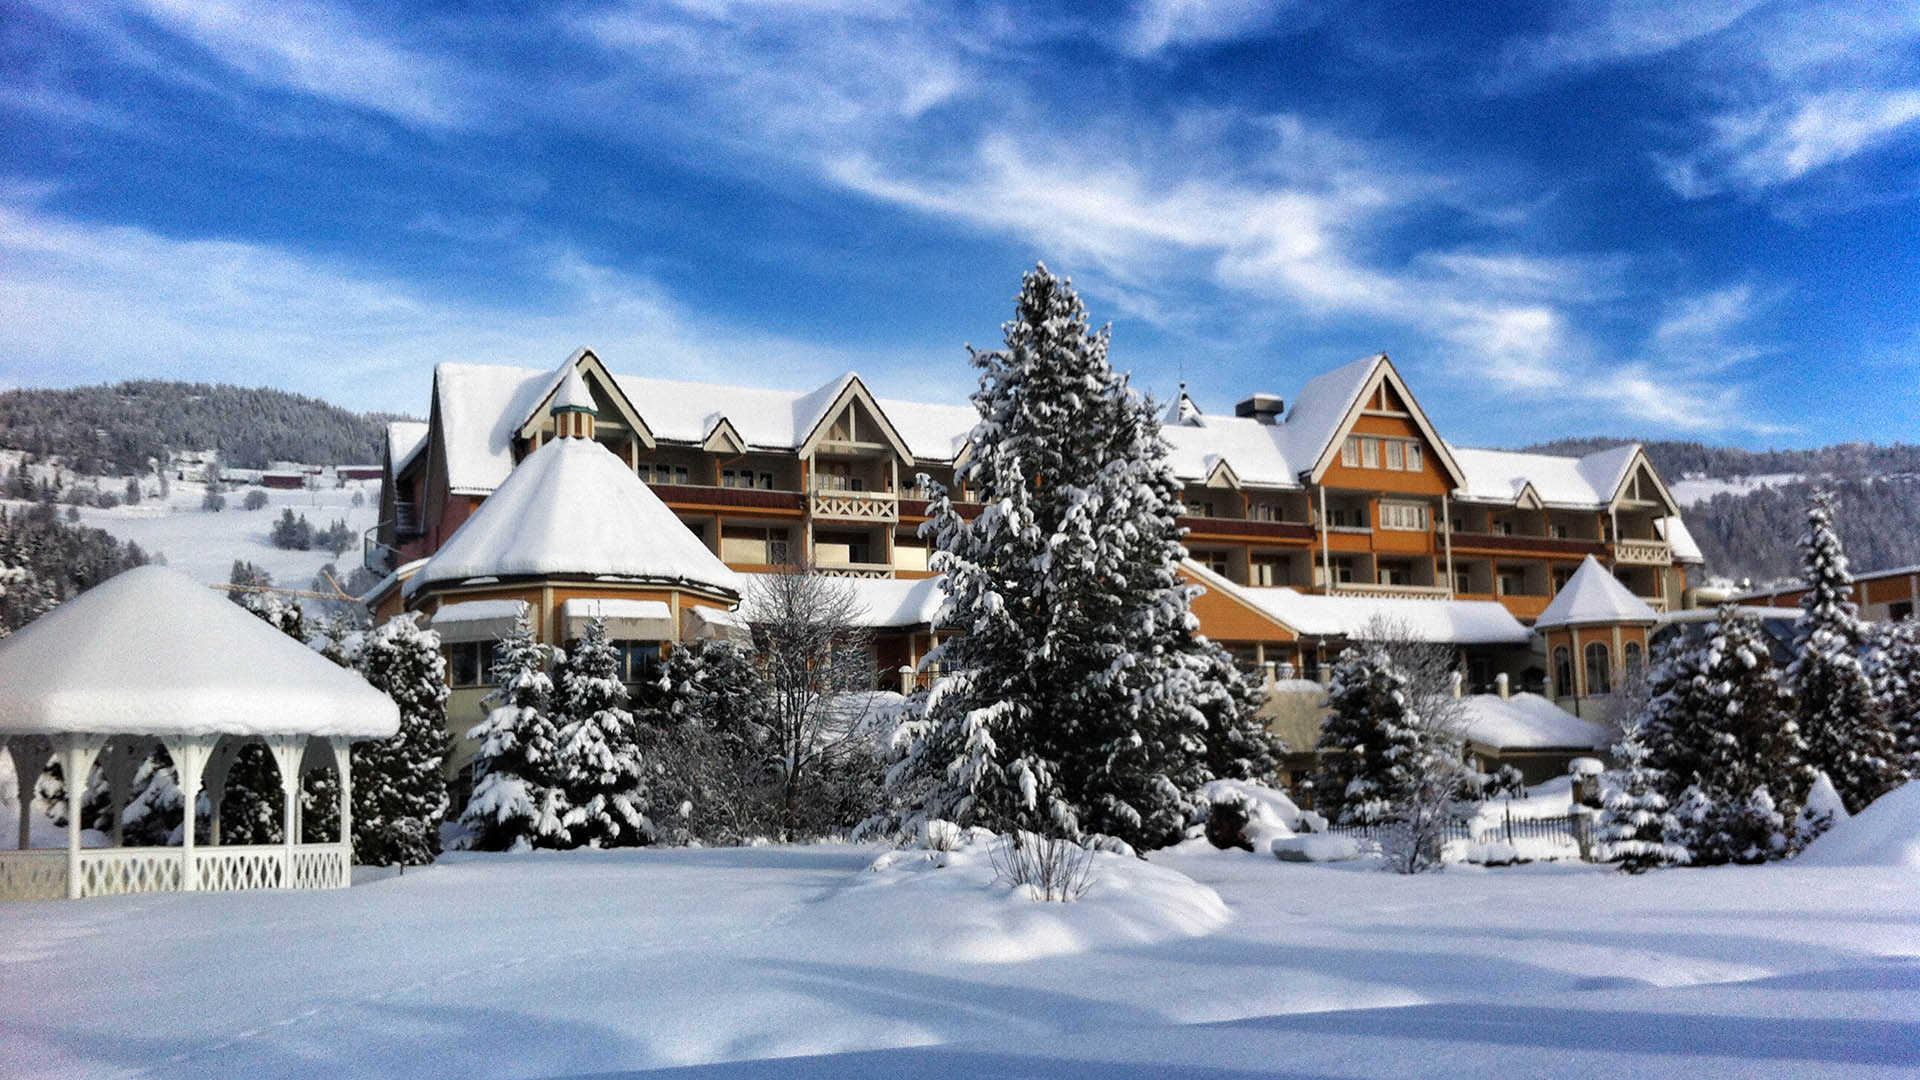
(517, 803)
(598, 760)
(1893, 664)
(1369, 741)
(1846, 733)
(1636, 828)
(1238, 744)
(399, 793)
(1066, 705)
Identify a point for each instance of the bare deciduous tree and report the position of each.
(816, 659)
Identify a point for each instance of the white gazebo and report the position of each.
(151, 657)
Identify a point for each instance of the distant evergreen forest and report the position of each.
(1756, 534)
(115, 430)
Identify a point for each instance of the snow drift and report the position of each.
(1886, 833)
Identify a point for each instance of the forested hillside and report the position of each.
(1755, 534)
(116, 429)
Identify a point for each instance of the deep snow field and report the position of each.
(807, 962)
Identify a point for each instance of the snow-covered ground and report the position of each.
(1698, 489)
(1199, 964)
(204, 544)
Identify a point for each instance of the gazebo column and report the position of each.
(287, 752)
(343, 760)
(30, 754)
(77, 753)
(190, 754)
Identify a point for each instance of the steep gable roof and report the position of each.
(1329, 404)
(574, 508)
(1593, 595)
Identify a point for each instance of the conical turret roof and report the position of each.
(1593, 595)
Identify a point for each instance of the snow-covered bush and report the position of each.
(399, 796)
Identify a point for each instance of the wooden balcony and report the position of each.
(1642, 552)
(859, 506)
(1247, 529)
(854, 570)
(696, 495)
(1538, 547)
(1398, 592)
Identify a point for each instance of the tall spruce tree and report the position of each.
(711, 748)
(1370, 741)
(1238, 744)
(1637, 828)
(598, 759)
(517, 802)
(1893, 664)
(399, 792)
(1067, 705)
(1846, 733)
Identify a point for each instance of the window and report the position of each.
(1562, 672)
(1462, 581)
(639, 660)
(1216, 561)
(1414, 463)
(1350, 453)
(1599, 678)
(1200, 508)
(1369, 453)
(766, 481)
(1347, 517)
(736, 478)
(1561, 576)
(1407, 517)
(664, 474)
(1391, 574)
(1899, 609)
(1396, 456)
(1263, 512)
(1512, 585)
(1632, 661)
(1343, 571)
(1557, 531)
(1267, 572)
(470, 663)
(1502, 527)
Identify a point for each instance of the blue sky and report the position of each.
(1680, 219)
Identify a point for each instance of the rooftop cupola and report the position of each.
(1265, 408)
(572, 409)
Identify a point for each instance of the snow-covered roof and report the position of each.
(1527, 722)
(886, 603)
(573, 392)
(151, 652)
(1592, 595)
(482, 406)
(573, 507)
(405, 438)
(1674, 532)
(1453, 622)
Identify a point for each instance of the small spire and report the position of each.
(572, 408)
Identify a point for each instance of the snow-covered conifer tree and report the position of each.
(399, 793)
(1893, 664)
(1846, 734)
(1369, 741)
(1066, 704)
(711, 748)
(1239, 746)
(1637, 830)
(1718, 724)
(517, 802)
(598, 759)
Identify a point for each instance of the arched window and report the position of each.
(1632, 662)
(1562, 672)
(1598, 675)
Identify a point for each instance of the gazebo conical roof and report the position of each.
(572, 508)
(152, 652)
(1592, 595)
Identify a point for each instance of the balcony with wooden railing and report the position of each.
(1642, 552)
(829, 500)
(1397, 592)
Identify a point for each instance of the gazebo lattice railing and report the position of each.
(200, 763)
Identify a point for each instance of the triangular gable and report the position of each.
(1384, 377)
(1223, 593)
(589, 366)
(724, 438)
(1223, 476)
(851, 390)
(1528, 498)
(1642, 466)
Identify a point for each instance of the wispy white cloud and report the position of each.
(87, 302)
(1766, 146)
(1162, 24)
(1591, 35)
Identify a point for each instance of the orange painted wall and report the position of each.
(1227, 619)
(1427, 481)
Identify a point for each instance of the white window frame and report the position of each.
(1396, 455)
(1414, 460)
(1369, 453)
(1403, 516)
(1350, 452)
